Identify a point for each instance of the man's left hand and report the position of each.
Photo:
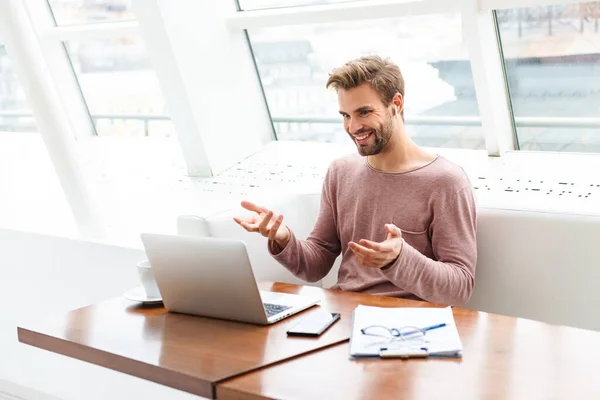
(378, 255)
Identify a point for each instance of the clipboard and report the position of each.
(444, 342)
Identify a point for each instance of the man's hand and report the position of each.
(378, 255)
(266, 223)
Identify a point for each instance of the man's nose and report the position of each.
(354, 126)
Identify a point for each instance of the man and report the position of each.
(403, 219)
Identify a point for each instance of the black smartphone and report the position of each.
(313, 324)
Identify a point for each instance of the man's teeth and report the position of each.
(363, 136)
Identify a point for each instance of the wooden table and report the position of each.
(503, 358)
(185, 352)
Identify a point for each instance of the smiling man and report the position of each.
(403, 219)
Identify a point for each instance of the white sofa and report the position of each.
(535, 265)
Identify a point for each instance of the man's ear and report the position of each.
(398, 101)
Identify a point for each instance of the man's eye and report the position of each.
(364, 113)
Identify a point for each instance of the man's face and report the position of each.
(366, 119)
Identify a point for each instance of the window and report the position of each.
(552, 60)
(31, 199)
(15, 115)
(75, 12)
(294, 63)
(120, 87)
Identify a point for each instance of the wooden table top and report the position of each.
(187, 352)
(503, 358)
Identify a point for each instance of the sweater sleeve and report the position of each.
(312, 259)
(450, 279)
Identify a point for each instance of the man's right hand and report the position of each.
(266, 223)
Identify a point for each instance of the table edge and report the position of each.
(139, 369)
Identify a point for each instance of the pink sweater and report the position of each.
(434, 207)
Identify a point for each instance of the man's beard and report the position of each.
(382, 138)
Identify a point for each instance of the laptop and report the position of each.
(212, 277)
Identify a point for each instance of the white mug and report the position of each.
(147, 278)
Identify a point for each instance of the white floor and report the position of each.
(141, 184)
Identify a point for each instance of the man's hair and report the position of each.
(381, 74)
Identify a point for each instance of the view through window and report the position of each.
(15, 115)
(120, 87)
(294, 63)
(552, 60)
(76, 12)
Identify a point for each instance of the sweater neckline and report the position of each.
(437, 156)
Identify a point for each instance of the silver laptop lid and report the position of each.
(205, 276)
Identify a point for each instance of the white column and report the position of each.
(24, 50)
(208, 79)
(479, 31)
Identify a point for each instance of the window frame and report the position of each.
(481, 35)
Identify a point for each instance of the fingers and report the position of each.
(250, 227)
(372, 245)
(377, 255)
(267, 226)
(364, 262)
(260, 222)
(393, 231)
(374, 257)
(361, 250)
(262, 226)
(253, 207)
(275, 227)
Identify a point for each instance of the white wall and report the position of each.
(42, 275)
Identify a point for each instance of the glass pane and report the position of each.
(120, 87)
(31, 197)
(294, 63)
(76, 12)
(552, 57)
(463, 137)
(262, 4)
(15, 115)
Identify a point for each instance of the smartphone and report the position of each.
(313, 324)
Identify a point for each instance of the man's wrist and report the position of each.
(283, 242)
(395, 258)
(401, 248)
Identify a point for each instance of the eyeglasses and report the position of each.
(410, 334)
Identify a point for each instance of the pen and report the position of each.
(434, 327)
(427, 328)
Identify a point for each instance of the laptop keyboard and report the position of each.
(272, 309)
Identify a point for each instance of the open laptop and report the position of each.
(212, 277)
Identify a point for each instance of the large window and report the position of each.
(552, 58)
(75, 12)
(441, 108)
(15, 115)
(120, 87)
